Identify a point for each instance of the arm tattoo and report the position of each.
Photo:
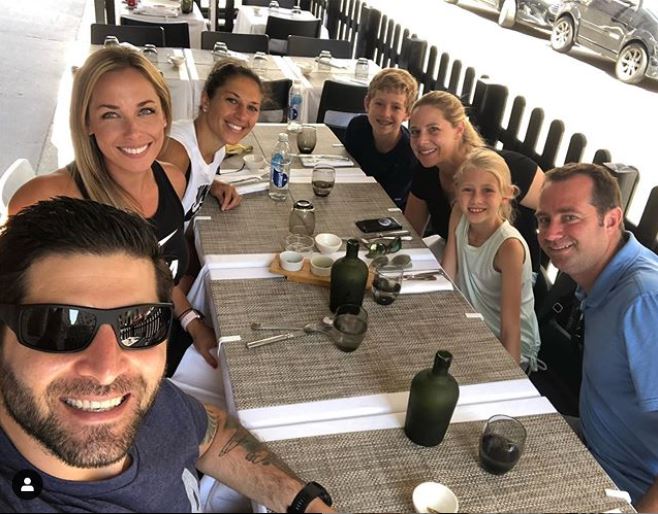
(212, 427)
(256, 452)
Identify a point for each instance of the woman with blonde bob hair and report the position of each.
(120, 115)
(488, 258)
(442, 137)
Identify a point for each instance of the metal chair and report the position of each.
(14, 177)
(248, 43)
(177, 35)
(134, 35)
(280, 28)
(274, 108)
(312, 46)
(339, 103)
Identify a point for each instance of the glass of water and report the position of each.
(219, 51)
(362, 69)
(323, 179)
(387, 283)
(350, 327)
(324, 60)
(111, 41)
(259, 62)
(151, 53)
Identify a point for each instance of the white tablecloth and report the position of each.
(195, 20)
(252, 20)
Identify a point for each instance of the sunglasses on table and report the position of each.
(70, 328)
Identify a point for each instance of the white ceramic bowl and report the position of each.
(321, 265)
(291, 261)
(254, 162)
(436, 496)
(177, 60)
(328, 243)
(306, 68)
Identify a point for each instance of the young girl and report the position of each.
(488, 258)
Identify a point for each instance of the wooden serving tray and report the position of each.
(305, 276)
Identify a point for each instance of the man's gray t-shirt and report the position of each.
(161, 478)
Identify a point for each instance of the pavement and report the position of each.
(35, 37)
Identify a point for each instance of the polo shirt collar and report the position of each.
(622, 260)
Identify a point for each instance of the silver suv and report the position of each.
(625, 31)
(534, 12)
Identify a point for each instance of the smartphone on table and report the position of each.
(378, 225)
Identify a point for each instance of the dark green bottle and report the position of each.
(349, 275)
(432, 400)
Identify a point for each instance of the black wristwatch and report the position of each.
(309, 492)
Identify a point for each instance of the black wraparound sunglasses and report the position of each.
(70, 328)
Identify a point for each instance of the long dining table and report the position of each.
(337, 417)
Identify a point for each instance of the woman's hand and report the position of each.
(204, 340)
(226, 194)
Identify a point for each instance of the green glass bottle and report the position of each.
(349, 275)
(432, 400)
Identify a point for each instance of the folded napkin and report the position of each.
(250, 187)
(309, 161)
(238, 149)
(157, 10)
(426, 286)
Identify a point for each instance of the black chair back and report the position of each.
(366, 38)
(339, 103)
(312, 46)
(627, 178)
(281, 28)
(249, 43)
(647, 229)
(138, 36)
(412, 57)
(287, 4)
(333, 18)
(177, 35)
(275, 99)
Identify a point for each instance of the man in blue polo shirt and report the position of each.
(581, 230)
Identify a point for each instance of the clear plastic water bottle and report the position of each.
(295, 101)
(280, 169)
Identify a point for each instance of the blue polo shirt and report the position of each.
(619, 391)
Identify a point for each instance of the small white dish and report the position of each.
(254, 162)
(177, 60)
(305, 68)
(436, 496)
(291, 261)
(321, 265)
(328, 243)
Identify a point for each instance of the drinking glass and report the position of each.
(259, 62)
(111, 41)
(300, 243)
(362, 69)
(274, 5)
(350, 324)
(151, 53)
(501, 444)
(219, 51)
(386, 284)
(324, 60)
(323, 179)
(307, 137)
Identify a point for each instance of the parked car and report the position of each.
(535, 12)
(625, 31)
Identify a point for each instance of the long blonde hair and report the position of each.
(485, 159)
(89, 165)
(454, 113)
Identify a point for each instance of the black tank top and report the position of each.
(167, 222)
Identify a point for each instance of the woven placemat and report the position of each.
(348, 203)
(257, 225)
(377, 471)
(267, 138)
(310, 367)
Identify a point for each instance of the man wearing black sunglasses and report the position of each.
(84, 308)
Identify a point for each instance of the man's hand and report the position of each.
(227, 196)
(204, 340)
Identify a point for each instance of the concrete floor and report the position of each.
(35, 37)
